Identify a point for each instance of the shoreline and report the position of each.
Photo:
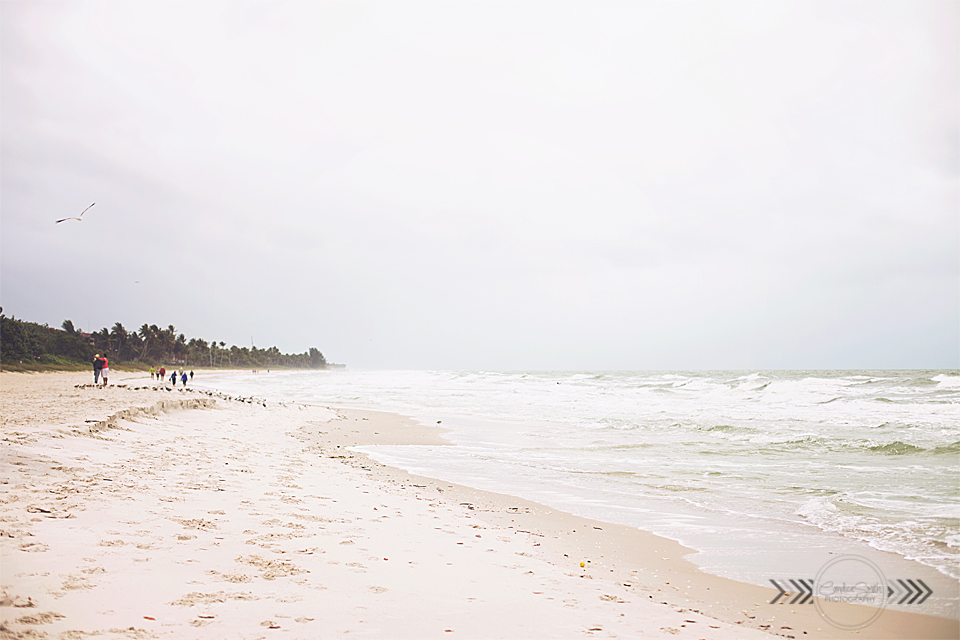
(754, 567)
(665, 576)
(633, 583)
(751, 518)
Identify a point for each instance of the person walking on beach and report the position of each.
(105, 371)
(153, 373)
(191, 374)
(183, 379)
(162, 373)
(97, 368)
(173, 378)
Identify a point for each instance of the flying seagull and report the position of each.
(77, 218)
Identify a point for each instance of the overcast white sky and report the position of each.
(492, 185)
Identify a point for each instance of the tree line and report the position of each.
(29, 342)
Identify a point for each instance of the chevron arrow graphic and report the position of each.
(801, 591)
(907, 591)
(779, 595)
(899, 593)
(918, 593)
(805, 590)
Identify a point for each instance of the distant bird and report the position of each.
(77, 218)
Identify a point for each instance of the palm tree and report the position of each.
(146, 335)
(180, 347)
(102, 339)
(120, 335)
(195, 349)
(167, 338)
(133, 345)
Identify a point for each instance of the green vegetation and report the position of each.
(28, 345)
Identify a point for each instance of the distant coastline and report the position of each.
(30, 346)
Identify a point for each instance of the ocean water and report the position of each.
(765, 473)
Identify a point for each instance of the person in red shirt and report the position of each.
(105, 371)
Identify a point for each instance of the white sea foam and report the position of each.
(945, 380)
(817, 509)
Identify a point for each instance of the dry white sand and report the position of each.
(227, 519)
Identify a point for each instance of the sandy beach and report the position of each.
(134, 511)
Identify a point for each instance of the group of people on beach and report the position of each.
(101, 370)
(162, 375)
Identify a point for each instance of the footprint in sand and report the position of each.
(73, 582)
(197, 523)
(39, 618)
(272, 569)
(16, 601)
(235, 578)
(112, 543)
(196, 597)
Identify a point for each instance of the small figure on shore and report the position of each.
(173, 378)
(97, 368)
(162, 373)
(105, 371)
(191, 374)
(183, 379)
(153, 373)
